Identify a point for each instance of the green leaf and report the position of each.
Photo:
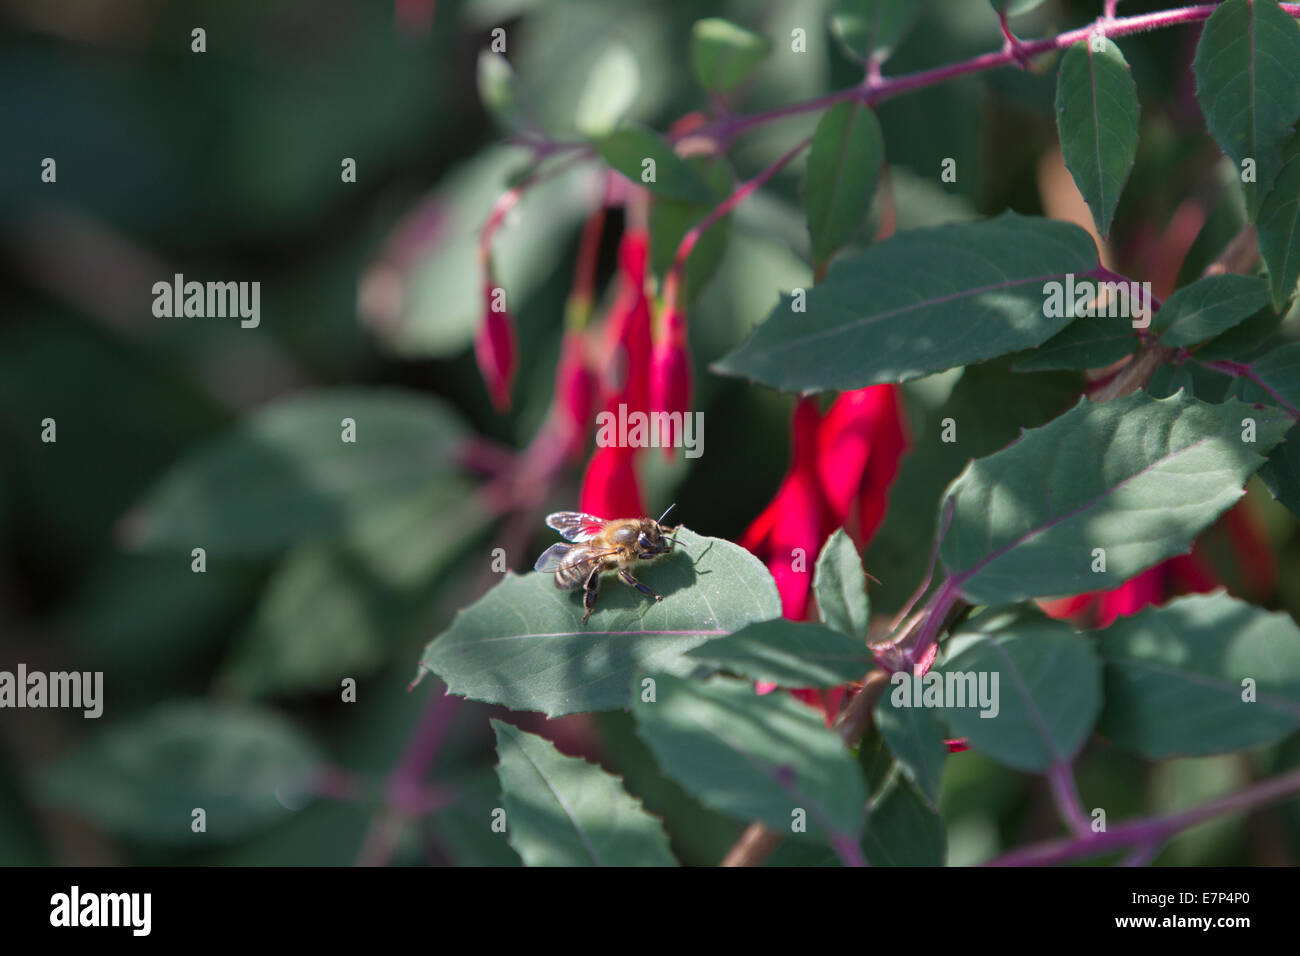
(789, 653)
(671, 219)
(723, 54)
(1247, 70)
(1208, 307)
(1243, 340)
(285, 475)
(872, 28)
(1014, 8)
(1174, 677)
(496, 88)
(753, 757)
(1281, 473)
(1136, 476)
(1274, 378)
(840, 586)
(628, 150)
(1279, 227)
(1047, 693)
(844, 164)
(1097, 119)
(564, 811)
(986, 411)
(901, 829)
(611, 90)
(338, 609)
(920, 302)
(142, 778)
(1093, 341)
(915, 736)
(523, 644)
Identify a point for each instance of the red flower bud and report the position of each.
(634, 258)
(957, 746)
(670, 373)
(626, 372)
(575, 392)
(496, 351)
(610, 488)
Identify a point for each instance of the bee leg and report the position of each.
(590, 588)
(626, 577)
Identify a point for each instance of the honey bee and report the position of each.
(600, 546)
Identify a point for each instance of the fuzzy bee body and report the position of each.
(595, 546)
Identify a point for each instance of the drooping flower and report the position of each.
(670, 372)
(610, 488)
(575, 393)
(627, 341)
(842, 463)
(1182, 574)
(496, 349)
(789, 532)
(863, 440)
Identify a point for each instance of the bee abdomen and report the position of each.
(571, 574)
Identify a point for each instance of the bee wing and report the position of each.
(552, 556)
(574, 525)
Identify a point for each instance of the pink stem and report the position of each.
(1150, 831)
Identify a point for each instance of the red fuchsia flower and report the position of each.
(1182, 574)
(863, 439)
(628, 335)
(846, 460)
(496, 349)
(789, 532)
(575, 393)
(670, 371)
(609, 487)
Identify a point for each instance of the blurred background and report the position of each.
(225, 686)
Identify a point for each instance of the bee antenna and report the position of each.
(665, 514)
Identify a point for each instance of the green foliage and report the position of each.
(724, 54)
(143, 778)
(1048, 693)
(564, 811)
(1177, 678)
(630, 152)
(1248, 84)
(671, 219)
(1279, 227)
(1209, 307)
(287, 475)
(789, 653)
(267, 682)
(753, 757)
(871, 28)
(840, 586)
(1135, 477)
(847, 155)
(558, 665)
(1097, 116)
(889, 314)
